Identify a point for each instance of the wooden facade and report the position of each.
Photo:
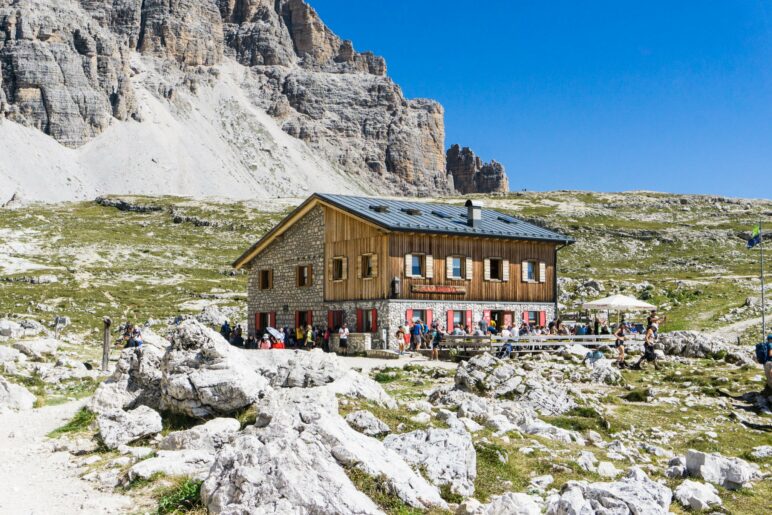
(350, 238)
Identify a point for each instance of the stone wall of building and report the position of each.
(302, 244)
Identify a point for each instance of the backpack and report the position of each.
(762, 352)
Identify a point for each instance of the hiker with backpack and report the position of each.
(764, 357)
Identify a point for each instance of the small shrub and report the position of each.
(449, 495)
(386, 377)
(184, 496)
(81, 422)
(639, 395)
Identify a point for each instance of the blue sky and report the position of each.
(599, 95)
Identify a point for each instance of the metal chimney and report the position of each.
(473, 213)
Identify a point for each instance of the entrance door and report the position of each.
(335, 319)
(501, 318)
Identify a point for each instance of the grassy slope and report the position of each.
(141, 266)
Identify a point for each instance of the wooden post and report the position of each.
(106, 343)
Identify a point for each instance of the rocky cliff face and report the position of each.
(75, 69)
(471, 175)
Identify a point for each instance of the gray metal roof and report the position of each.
(402, 215)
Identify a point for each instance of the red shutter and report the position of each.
(310, 317)
(330, 319)
(297, 319)
(450, 320)
(468, 318)
(487, 316)
(360, 329)
(375, 321)
(409, 316)
(428, 318)
(525, 317)
(272, 319)
(257, 321)
(542, 318)
(507, 319)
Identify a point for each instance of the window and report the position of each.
(533, 317)
(304, 276)
(366, 320)
(458, 319)
(497, 269)
(456, 267)
(530, 270)
(417, 266)
(266, 279)
(337, 269)
(368, 266)
(419, 314)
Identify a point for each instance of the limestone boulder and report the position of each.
(136, 379)
(514, 504)
(731, 473)
(367, 423)
(37, 349)
(353, 384)
(634, 494)
(603, 371)
(14, 396)
(8, 354)
(298, 457)
(697, 496)
(487, 376)
(209, 436)
(192, 463)
(447, 456)
(118, 427)
(296, 369)
(203, 375)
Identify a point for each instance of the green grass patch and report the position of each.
(183, 496)
(80, 423)
(580, 419)
(377, 489)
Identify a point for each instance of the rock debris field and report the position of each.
(191, 424)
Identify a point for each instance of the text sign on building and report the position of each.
(442, 290)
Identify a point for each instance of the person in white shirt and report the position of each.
(343, 336)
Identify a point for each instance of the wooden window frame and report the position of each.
(309, 279)
(422, 260)
(427, 265)
(500, 262)
(261, 283)
(342, 261)
(372, 260)
(462, 266)
(536, 271)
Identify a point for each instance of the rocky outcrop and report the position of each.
(118, 427)
(14, 396)
(731, 473)
(61, 72)
(697, 496)
(471, 175)
(635, 493)
(72, 68)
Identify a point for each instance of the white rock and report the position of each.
(354, 384)
(514, 504)
(421, 418)
(470, 425)
(635, 494)
(367, 423)
(542, 482)
(763, 451)
(607, 469)
(8, 354)
(37, 349)
(188, 463)
(120, 427)
(14, 396)
(448, 456)
(136, 452)
(697, 496)
(418, 406)
(209, 436)
(294, 460)
(731, 473)
(587, 461)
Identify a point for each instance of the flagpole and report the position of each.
(763, 304)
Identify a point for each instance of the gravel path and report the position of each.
(33, 480)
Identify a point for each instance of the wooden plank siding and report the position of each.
(440, 247)
(349, 237)
(345, 236)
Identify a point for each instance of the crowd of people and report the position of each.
(308, 337)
